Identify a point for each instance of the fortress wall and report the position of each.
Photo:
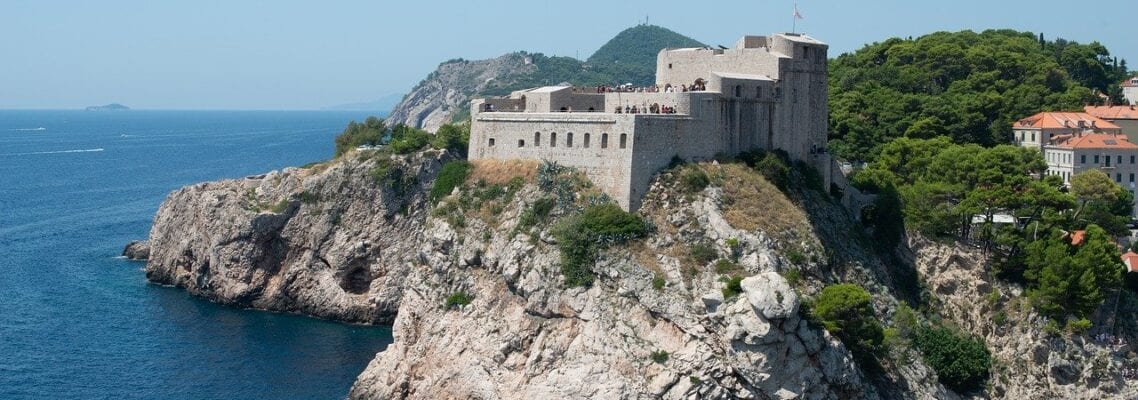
(660, 138)
(685, 66)
(609, 168)
(579, 102)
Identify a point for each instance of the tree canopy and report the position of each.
(967, 86)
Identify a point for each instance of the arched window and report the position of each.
(537, 139)
(623, 140)
(586, 140)
(738, 90)
(569, 139)
(521, 143)
(552, 139)
(604, 140)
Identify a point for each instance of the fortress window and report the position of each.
(537, 139)
(569, 139)
(758, 92)
(778, 93)
(552, 139)
(586, 140)
(521, 143)
(491, 142)
(604, 140)
(623, 140)
(669, 65)
(738, 90)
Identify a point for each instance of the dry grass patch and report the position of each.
(500, 172)
(753, 203)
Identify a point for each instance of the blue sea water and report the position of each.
(77, 322)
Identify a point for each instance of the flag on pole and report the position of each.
(797, 15)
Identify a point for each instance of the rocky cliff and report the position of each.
(480, 308)
(447, 92)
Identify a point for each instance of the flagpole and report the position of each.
(794, 19)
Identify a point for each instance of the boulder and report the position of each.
(771, 295)
(137, 250)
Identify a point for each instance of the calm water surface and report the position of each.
(78, 322)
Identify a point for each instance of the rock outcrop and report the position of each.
(137, 250)
(447, 92)
(1030, 362)
(480, 308)
(327, 241)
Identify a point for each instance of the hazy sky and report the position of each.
(243, 54)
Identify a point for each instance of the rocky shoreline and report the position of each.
(334, 241)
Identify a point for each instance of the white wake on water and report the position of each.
(54, 152)
(29, 129)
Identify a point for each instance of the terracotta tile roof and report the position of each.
(1077, 237)
(1113, 112)
(1130, 259)
(1061, 120)
(1131, 82)
(1096, 141)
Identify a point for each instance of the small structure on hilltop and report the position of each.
(768, 92)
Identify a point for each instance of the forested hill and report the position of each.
(445, 94)
(968, 86)
(631, 55)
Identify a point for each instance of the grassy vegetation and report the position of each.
(581, 236)
(660, 356)
(702, 253)
(732, 287)
(458, 299)
(452, 175)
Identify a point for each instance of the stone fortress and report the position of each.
(768, 92)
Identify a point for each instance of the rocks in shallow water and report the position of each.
(137, 250)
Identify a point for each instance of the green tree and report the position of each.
(846, 310)
(961, 362)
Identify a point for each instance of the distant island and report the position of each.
(109, 107)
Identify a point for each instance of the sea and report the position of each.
(77, 321)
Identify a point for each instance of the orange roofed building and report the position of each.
(1126, 117)
(1075, 142)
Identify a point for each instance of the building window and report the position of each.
(552, 139)
(1131, 177)
(1107, 160)
(569, 139)
(1131, 159)
(537, 139)
(1118, 178)
(586, 140)
(1033, 137)
(521, 143)
(604, 140)
(794, 95)
(738, 90)
(778, 93)
(491, 142)
(1119, 159)
(669, 65)
(1083, 159)
(623, 140)
(1096, 159)
(758, 92)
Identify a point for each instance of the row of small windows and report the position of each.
(586, 143)
(1083, 159)
(1067, 176)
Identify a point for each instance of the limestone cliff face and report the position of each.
(326, 241)
(1029, 362)
(330, 242)
(448, 91)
